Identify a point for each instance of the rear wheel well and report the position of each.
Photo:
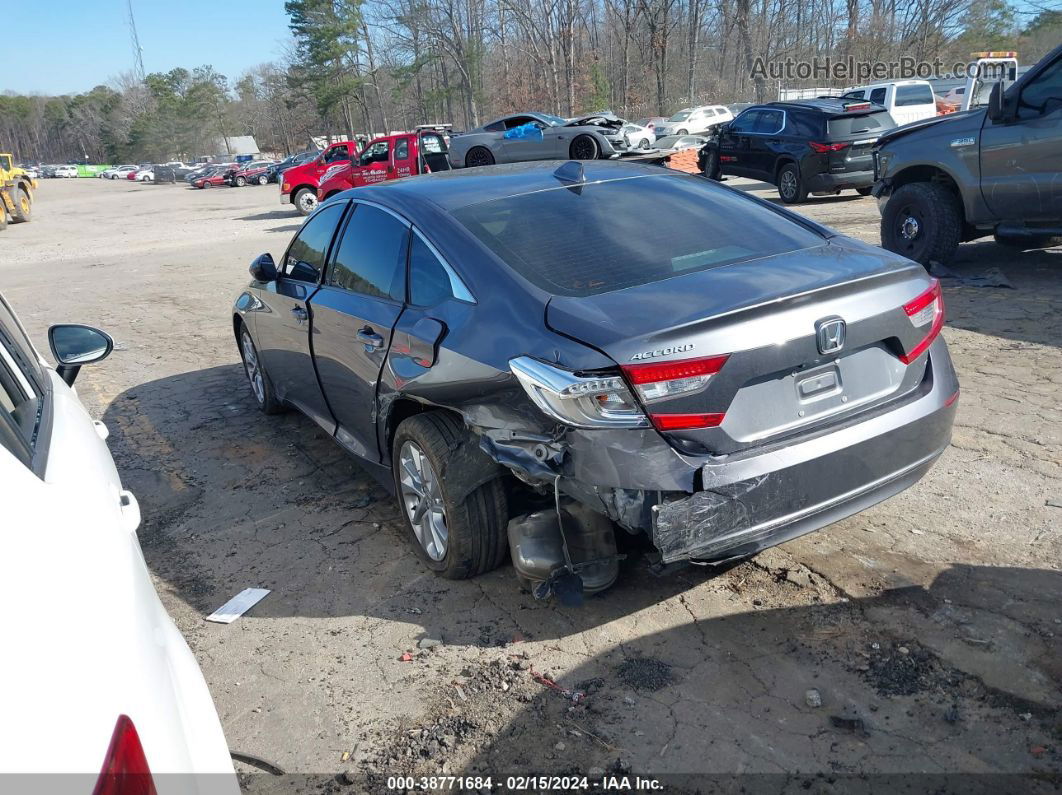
(782, 163)
(402, 409)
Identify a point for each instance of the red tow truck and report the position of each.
(388, 157)
(299, 184)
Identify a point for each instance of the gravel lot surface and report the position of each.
(923, 636)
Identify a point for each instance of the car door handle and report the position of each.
(300, 313)
(370, 338)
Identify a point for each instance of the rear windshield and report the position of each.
(622, 233)
(854, 124)
(914, 95)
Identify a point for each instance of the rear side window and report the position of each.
(877, 96)
(370, 258)
(914, 95)
(770, 122)
(856, 124)
(306, 254)
(568, 242)
(804, 125)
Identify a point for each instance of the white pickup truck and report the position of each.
(905, 100)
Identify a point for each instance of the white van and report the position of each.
(905, 100)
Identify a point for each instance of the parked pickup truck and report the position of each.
(299, 184)
(389, 157)
(992, 170)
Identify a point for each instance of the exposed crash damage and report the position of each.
(536, 380)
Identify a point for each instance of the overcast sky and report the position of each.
(78, 44)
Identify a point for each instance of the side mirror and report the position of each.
(995, 102)
(74, 345)
(263, 269)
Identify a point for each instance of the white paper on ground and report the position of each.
(238, 605)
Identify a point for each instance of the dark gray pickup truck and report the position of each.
(993, 170)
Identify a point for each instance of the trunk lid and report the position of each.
(764, 314)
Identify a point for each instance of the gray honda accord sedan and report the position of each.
(537, 357)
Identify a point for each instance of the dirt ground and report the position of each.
(914, 647)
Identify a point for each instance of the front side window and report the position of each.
(306, 255)
(745, 122)
(1043, 94)
(402, 149)
(370, 258)
(20, 406)
(377, 153)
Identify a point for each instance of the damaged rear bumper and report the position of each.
(751, 503)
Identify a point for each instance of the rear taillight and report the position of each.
(582, 401)
(663, 380)
(925, 312)
(824, 148)
(125, 768)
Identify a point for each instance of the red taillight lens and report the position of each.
(125, 768)
(669, 371)
(824, 148)
(663, 380)
(686, 422)
(925, 311)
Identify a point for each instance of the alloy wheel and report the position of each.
(584, 149)
(250, 364)
(423, 500)
(789, 184)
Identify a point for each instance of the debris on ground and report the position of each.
(238, 605)
(813, 698)
(645, 673)
(576, 696)
(406, 657)
(428, 643)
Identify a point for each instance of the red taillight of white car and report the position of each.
(125, 768)
(658, 381)
(926, 312)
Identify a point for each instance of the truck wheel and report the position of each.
(261, 386)
(864, 191)
(478, 156)
(23, 205)
(584, 147)
(922, 221)
(791, 187)
(262, 179)
(457, 532)
(3, 216)
(305, 201)
(1028, 243)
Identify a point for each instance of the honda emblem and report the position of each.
(829, 333)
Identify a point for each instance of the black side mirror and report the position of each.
(995, 102)
(74, 345)
(263, 269)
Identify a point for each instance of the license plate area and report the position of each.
(819, 384)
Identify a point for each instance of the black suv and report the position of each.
(820, 146)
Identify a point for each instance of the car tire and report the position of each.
(864, 191)
(711, 165)
(643, 144)
(206, 185)
(922, 221)
(257, 378)
(584, 147)
(464, 531)
(479, 156)
(1028, 242)
(240, 182)
(305, 201)
(683, 132)
(791, 188)
(262, 179)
